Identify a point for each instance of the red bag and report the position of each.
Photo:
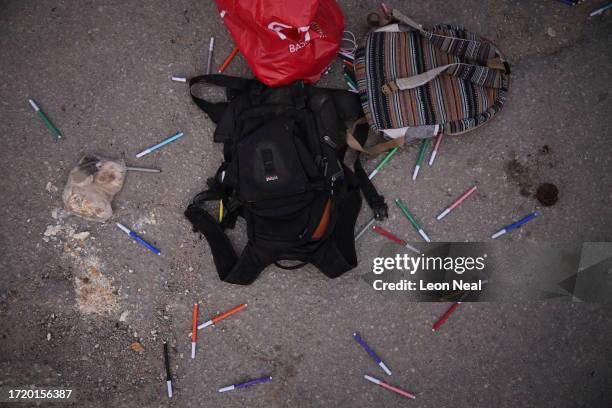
(285, 40)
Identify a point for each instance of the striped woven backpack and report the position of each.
(415, 83)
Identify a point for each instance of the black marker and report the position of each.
(168, 375)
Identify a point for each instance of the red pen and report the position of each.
(445, 316)
(452, 309)
(194, 330)
(387, 234)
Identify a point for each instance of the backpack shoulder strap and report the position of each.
(233, 84)
(478, 75)
(374, 200)
(475, 49)
(241, 270)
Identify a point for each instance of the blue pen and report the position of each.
(600, 10)
(160, 144)
(372, 353)
(246, 384)
(514, 225)
(138, 239)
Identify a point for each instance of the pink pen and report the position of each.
(390, 387)
(456, 203)
(435, 149)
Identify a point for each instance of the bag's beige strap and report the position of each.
(481, 76)
(398, 15)
(414, 81)
(375, 149)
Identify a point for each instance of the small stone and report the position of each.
(48, 336)
(124, 316)
(551, 32)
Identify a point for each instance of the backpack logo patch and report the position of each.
(268, 162)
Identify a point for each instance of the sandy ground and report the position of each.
(71, 304)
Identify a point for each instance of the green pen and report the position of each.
(350, 80)
(383, 162)
(424, 146)
(45, 119)
(411, 218)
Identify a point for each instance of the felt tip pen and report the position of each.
(138, 239)
(452, 309)
(229, 59)
(382, 163)
(390, 387)
(194, 330)
(412, 220)
(371, 352)
(600, 10)
(456, 203)
(45, 119)
(168, 375)
(417, 166)
(246, 384)
(365, 228)
(222, 316)
(160, 144)
(350, 72)
(514, 225)
(142, 169)
(445, 316)
(349, 80)
(211, 48)
(383, 232)
(434, 153)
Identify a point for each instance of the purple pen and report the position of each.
(372, 353)
(246, 384)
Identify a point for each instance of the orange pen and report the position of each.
(194, 331)
(228, 60)
(222, 316)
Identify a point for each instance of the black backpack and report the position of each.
(283, 171)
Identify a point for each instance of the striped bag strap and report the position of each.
(491, 75)
(482, 51)
(482, 76)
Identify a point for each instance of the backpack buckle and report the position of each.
(380, 208)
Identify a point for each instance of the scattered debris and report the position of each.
(124, 316)
(145, 220)
(95, 293)
(52, 230)
(51, 188)
(81, 236)
(137, 347)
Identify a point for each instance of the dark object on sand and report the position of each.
(547, 194)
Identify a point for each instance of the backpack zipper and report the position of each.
(329, 141)
(324, 166)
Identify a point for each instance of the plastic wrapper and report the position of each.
(91, 186)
